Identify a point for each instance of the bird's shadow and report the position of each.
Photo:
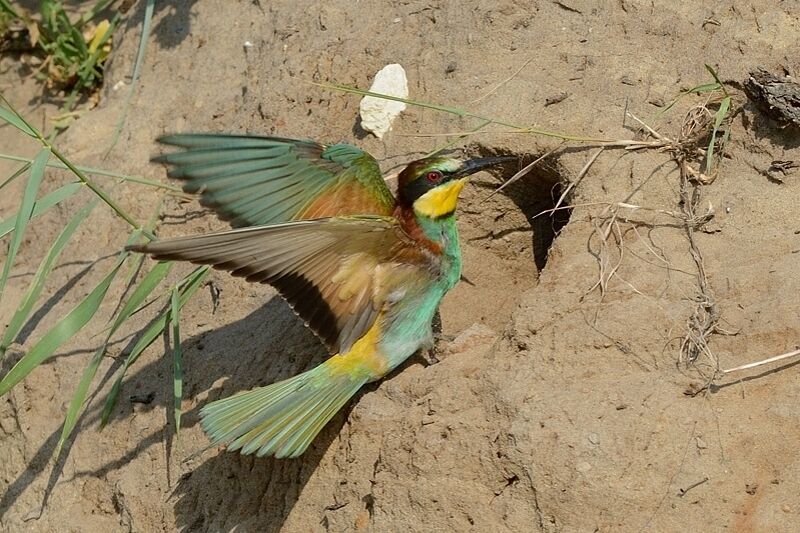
(225, 490)
(228, 490)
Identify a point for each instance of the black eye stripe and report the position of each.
(413, 190)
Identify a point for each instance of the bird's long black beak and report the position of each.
(471, 166)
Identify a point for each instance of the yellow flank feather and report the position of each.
(440, 201)
(363, 360)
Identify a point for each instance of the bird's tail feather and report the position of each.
(280, 419)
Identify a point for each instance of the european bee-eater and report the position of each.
(365, 271)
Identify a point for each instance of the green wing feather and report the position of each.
(280, 419)
(334, 272)
(251, 181)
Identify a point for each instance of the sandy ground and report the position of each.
(556, 407)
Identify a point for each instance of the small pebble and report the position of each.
(583, 466)
(594, 438)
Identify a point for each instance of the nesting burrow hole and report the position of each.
(518, 223)
(504, 243)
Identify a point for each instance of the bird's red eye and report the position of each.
(433, 176)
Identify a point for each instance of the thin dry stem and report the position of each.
(578, 178)
(523, 171)
(500, 84)
(766, 361)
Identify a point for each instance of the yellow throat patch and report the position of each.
(440, 201)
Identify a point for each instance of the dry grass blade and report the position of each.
(527, 168)
(463, 113)
(719, 117)
(787, 355)
(578, 178)
(143, 40)
(503, 82)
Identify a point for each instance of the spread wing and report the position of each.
(337, 273)
(253, 181)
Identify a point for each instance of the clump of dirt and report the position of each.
(558, 405)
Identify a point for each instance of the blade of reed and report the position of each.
(145, 287)
(42, 272)
(187, 286)
(68, 326)
(177, 358)
(24, 213)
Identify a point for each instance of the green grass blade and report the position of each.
(99, 6)
(14, 119)
(42, 204)
(704, 88)
(24, 213)
(22, 170)
(427, 105)
(77, 39)
(99, 172)
(148, 284)
(719, 116)
(151, 280)
(460, 113)
(68, 326)
(714, 74)
(45, 267)
(699, 89)
(137, 66)
(188, 286)
(7, 8)
(177, 358)
(147, 338)
(80, 175)
(91, 62)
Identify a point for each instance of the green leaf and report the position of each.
(45, 267)
(177, 358)
(99, 172)
(99, 6)
(43, 204)
(699, 89)
(19, 172)
(704, 88)
(6, 7)
(68, 326)
(24, 213)
(16, 121)
(463, 113)
(77, 39)
(143, 40)
(187, 287)
(714, 74)
(719, 116)
(145, 287)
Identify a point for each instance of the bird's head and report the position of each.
(432, 185)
